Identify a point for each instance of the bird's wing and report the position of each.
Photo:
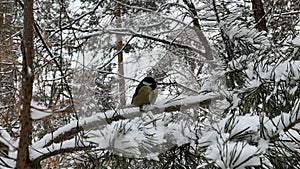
(153, 96)
(137, 90)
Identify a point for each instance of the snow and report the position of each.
(253, 83)
(290, 137)
(296, 41)
(234, 155)
(145, 135)
(189, 100)
(4, 134)
(263, 145)
(39, 111)
(225, 152)
(37, 152)
(48, 137)
(7, 163)
(130, 138)
(36, 114)
(281, 71)
(29, 71)
(7, 140)
(135, 134)
(241, 125)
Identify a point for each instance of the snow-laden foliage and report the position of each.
(234, 141)
(233, 104)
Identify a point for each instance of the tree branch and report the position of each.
(49, 153)
(201, 36)
(290, 126)
(36, 28)
(103, 118)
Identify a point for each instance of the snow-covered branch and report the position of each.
(37, 154)
(103, 118)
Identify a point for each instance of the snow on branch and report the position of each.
(4, 137)
(38, 154)
(240, 141)
(296, 41)
(234, 141)
(101, 119)
(139, 137)
(104, 118)
(39, 112)
(131, 32)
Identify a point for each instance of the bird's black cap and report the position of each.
(151, 81)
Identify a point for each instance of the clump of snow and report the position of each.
(296, 41)
(142, 138)
(233, 154)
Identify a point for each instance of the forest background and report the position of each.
(227, 72)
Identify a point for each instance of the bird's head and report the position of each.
(149, 81)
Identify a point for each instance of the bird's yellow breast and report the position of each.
(142, 97)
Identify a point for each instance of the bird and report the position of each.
(145, 93)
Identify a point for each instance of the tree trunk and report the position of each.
(7, 66)
(259, 15)
(27, 82)
(120, 59)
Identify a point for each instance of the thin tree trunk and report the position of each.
(27, 82)
(259, 15)
(198, 31)
(120, 59)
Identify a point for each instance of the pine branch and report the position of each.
(290, 126)
(103, 118)
(60, 151)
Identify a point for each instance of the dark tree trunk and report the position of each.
(27, 82)
(259, 15)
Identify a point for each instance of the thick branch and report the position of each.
(59, 151)
(103, 118)
(171, 43)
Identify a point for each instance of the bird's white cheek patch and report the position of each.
(146, 83)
